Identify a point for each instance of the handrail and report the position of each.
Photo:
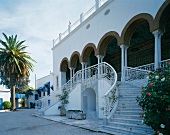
(111, 94)
(146, 67)
(106, 71)
(132, 73)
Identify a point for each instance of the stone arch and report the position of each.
(101, 49)
(64, 65)
(73, 60)
(89, 100)
(133, 24)
(87, 51)
(162, 16)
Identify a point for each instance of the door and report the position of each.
(84, 103)
(1, 101)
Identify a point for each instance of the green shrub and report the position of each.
(6, 104)
(155, 101)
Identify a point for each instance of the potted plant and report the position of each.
(76, 114)
(64, 100)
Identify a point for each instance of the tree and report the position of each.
(15, 63)
(21, 86)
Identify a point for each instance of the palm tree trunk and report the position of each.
(12, 83)
(13, 107)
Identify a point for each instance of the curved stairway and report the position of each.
(126, 119)
(99, 71)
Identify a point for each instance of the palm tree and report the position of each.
(15, 63)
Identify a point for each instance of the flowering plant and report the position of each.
(155, 101)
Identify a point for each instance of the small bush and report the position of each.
(6, 104)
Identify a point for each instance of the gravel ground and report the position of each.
(21, 122)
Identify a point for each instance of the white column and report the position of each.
(97, 4)
(98, 59)
(123, 63)
(157, 34)
(81, 18)
(60, 37)
(82, 70)
(71, 72)
(74, 71)
(69, 27)
(85, 66)
(126, 47)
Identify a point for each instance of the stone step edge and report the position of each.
(135, 120)
(132, 125)
(125, 130)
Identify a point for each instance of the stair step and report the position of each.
(125, 116)
(129, 109)
(125, 131)
(126, 120)
(131, 126)
(129, 112)
(127, 105)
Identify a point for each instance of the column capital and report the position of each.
(72, 68)
(157, 32)
(100, 56)
(124, 46)
(84, 62)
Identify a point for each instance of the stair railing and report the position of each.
(110, 97)
(81, 76)
(135, 74)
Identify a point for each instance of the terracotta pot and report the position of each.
(63, 112)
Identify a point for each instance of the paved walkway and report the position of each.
(94, 125)
(22, 122)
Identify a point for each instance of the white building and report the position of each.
(4, 95)
(116, 40)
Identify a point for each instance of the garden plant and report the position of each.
(155, 101)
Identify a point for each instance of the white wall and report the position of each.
(53, 110)
(103, 87)
(121, 12)
(75, 99)
(5, 95)
(31, 98)
(40, 82)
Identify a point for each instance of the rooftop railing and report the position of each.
(82, 18)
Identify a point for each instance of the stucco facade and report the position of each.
(130, 35)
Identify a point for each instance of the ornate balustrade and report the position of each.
(79, 21)
(110, 97)
(164, 63)
(149, 67)
(82, 76)
(135, 74)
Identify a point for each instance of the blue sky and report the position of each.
(39, 22)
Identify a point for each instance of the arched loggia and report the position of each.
(89, 55)
(111, 52)
(162, 23)
(137, 35)
(75, 64)
(65, 71)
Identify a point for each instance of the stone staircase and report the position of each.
(126, 120)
